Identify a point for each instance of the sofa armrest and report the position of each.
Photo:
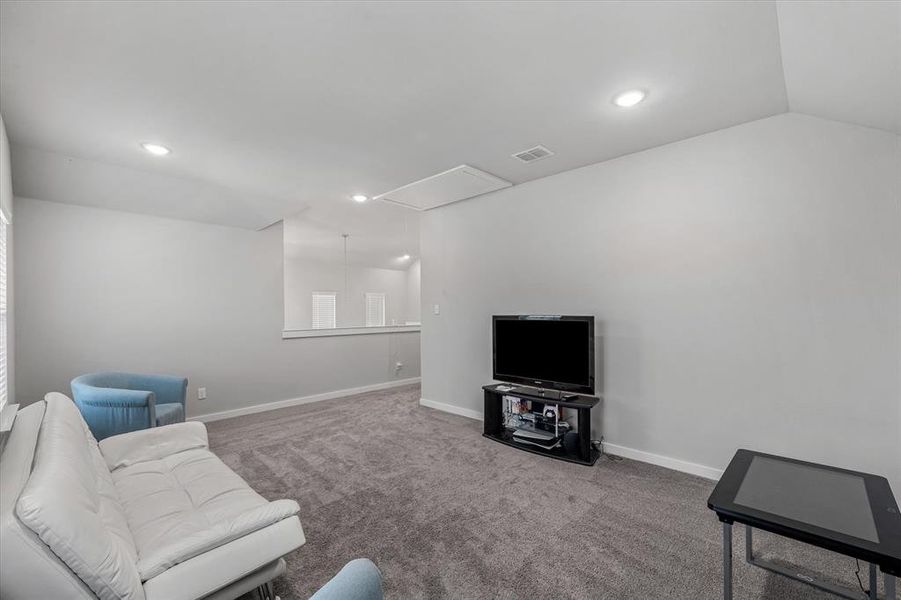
(183, 548)
(152, 444)
(206, 573)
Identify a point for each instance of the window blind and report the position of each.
(375, 309)
(324, 310)
(4, 337)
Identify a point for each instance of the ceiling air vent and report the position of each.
(533, 154)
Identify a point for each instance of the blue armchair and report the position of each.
(113, 403)
(360, 579)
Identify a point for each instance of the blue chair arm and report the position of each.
(360, 579)
(90, 395)
(166, 388)
(113, 411)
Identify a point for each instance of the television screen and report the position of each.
(545, 351)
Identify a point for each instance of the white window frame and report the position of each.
(318, 321)
(370, 318)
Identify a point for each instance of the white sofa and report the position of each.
(150, 515)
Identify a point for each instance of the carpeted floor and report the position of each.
(446, 513)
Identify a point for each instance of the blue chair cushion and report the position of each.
(167, 414)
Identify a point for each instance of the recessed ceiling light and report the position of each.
(629, 98)
(155, 149)
(405, 257)
(360, 198)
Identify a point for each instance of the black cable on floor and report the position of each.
(599, 446)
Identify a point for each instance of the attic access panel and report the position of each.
(450, 186)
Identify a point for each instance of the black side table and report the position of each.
(848, 512)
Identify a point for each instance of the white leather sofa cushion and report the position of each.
(184, 504)
(71, 503)
(152, 444)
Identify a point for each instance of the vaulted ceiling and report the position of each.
(842, 60)
(273, 108)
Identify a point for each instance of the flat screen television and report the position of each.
(546, 351)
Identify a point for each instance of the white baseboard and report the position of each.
(664, 461)
(450, 408)
(258, 408)
(640, 455)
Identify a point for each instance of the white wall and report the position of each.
(414, 292)
(745, 283)
(101, 289)
(6, 201)
(303, 277)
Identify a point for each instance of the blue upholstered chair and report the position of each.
(114, 403)
(360, 579)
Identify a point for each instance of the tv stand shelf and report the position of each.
(494, 428)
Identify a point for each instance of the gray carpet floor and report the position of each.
(446, 513)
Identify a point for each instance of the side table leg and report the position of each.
(727, 561)
(889, 586)
(874, 581)
(749, 544)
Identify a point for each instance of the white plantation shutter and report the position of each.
(324, 309)
(375, 309)
(4, 337)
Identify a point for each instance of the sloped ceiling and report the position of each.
(272, 108)
(66, 178)
(842, 60)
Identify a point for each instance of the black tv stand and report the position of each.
(494, 427)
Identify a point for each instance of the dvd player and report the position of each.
(533, 434)
(525, 437)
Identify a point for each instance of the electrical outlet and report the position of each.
(201, 393)
(398, 366)
(436, 309)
